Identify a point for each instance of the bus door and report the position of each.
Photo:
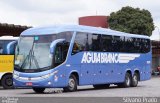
(60, 53)
(59, 50)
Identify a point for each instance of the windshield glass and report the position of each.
(33, 52)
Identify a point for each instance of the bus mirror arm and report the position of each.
(54, 43)
(11, 46)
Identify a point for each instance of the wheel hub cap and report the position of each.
(71, 83)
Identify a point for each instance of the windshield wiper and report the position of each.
(27, 58)
(34, 59)
(30, 57)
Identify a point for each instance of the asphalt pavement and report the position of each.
(145, 92)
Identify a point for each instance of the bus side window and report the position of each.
(145, 46)
(80, 43)
(116, 44)
(106, 43)
(76, 48)
(96, 40)
(148, 46)
(86, 42)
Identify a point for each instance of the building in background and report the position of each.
(97, 21)
(11, 29)
(155, 55)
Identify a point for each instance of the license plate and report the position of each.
(29, 84)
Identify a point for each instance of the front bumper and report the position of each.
(46, 79)
(47, 83)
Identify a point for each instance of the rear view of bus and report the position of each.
(7, 60)
(67, 56)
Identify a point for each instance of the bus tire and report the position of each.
(134, 82)
(101, 86)
(38, 90)
(72, 84)
(7, 81)
(127, 81)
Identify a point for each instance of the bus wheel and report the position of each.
(101, 86)
(134, 82)
(127, 81)
(7, 81)
(39, 90)
(72, 84)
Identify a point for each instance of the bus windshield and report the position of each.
(30, 50)
(33, 52)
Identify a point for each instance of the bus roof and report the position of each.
(8, 38)
(79, 28)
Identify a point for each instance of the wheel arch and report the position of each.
(129, 71)
(76, 74)
(2, 80)
(7, 73)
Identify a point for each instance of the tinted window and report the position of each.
(110, 43)
(116, 44)
(145, 45)
(86, 42)
(3, 46)
(96, 40)
(107, 43)
(65, 35)
(80, 43)
(130, 45)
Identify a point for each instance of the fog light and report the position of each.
(49, 83)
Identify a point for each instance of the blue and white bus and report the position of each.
(67, 56)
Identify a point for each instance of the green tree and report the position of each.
(132, 20)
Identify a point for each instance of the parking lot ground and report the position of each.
(150, 88)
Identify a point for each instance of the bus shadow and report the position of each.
(83, 89)
(1, 88)
(109, 88)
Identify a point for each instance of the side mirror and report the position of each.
(11, 47)
(54, 43)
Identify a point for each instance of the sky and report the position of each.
(51, 12)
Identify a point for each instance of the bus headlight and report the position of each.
(55, 72)
(46, 76)
(50, 74)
